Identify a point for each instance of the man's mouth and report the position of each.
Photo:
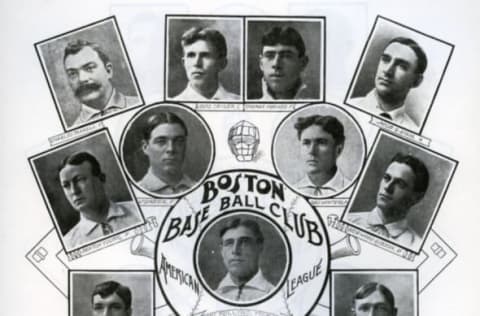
(385, 197)
(384, 81)
(277, 76)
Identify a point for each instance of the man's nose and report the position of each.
(276, 61)
(83, 75)
(388, 69)
(197, 61)
(237, 248)
(170, 146)
(75, 188)
(389, 186)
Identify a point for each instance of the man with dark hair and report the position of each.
(321, 143)
(373, 299)
(164, 143)
(204, 56)
(241, 247)
(111, 298)
(83, 183)
(89, 72)
(403, 184)
(282, 61)
(400, 68)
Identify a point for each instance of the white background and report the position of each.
(28, 117)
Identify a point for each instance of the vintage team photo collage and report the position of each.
(236, 217)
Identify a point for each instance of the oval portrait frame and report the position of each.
(186, 112)
(243, 212)
(310, 109)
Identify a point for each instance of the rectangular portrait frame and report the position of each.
(126, 276)
(59, 89)
(381, 276)
(438, 53)
(46, 191)
(441, 170)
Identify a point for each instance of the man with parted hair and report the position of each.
(204, 56)
(89, 72)
(373, 299)
(282, 61)
(400, 68)
(241, 247)
(403, 185)
(322, 140)
(111, 298)
(83, 184)
(164, 143)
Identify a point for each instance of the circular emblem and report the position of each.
(243, 243)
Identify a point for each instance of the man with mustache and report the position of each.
(321, 143)
(241, 247)
(403, 184)
(164, 143)
(204, 56)
(400, 68)
(282, 61)
(89, 72)
(83, 181)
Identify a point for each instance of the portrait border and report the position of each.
(439, 201)
(36, 46)
(166, 57)
(99, 271)
(322, 74)
(362, 59)
(191, 111)
(349, 115)
(414, 272)
(249, 212)
(56, 226)
(315, 211)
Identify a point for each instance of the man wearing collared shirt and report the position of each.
(89, 71)
(403, 184)
(164, 143)
(321, 143)
(282, 61)
(204, 56)
(400, 69)
(83, 181)
(242, 245)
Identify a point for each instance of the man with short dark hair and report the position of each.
(282, 61)
(83, 183)
(164, 143)
(373, 299)
(204, 56)
(241, 247)
(89, 72)
(111, 298)
(400, 68)
(321, 143)
(403, 184)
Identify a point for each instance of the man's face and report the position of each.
(111, 305)
(202, 64)
(396, 71)
(373, 305)
(396, 192)
(83, 190)
(281, 66)
(166, 148)
(241, 252)
(319, 152)
(88, 77)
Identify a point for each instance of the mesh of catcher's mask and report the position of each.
(243, 140)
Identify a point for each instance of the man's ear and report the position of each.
(417, 81)
(338, 149)
(223, 63)
(260, 65)
(394, 312)
(129, 312)
(109, 68)
(144, 146)
(304, 61)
